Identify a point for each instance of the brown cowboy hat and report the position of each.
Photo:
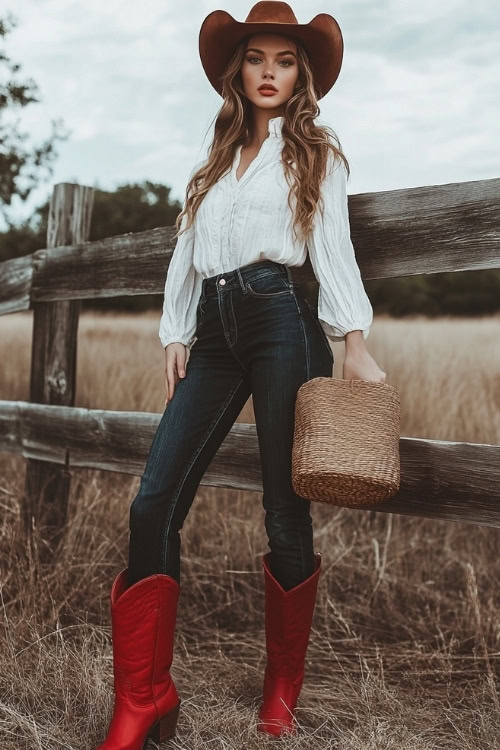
(322, 38)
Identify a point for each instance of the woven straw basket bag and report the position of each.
(346, 441)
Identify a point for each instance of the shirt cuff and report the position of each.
(176, 338)
(334, 333)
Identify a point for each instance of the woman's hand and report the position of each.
(358, 362)
(176, 359)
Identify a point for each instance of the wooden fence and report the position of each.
(451, 227)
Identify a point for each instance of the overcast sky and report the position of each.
(416, 102)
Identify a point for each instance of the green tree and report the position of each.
(449, 293)
(131, 207)
(21, 168)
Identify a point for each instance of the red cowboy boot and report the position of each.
(288, 620)
(143, 620)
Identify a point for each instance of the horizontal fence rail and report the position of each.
(421, 230)
(440, 479)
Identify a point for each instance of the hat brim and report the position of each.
(322, 37)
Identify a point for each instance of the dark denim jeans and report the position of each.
(257, 335)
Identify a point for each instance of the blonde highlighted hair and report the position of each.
(306, 145)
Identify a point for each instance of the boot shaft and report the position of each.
(143, 618)
(288, 621)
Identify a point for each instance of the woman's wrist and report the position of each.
(355, 339)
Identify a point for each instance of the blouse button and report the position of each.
(222, 281)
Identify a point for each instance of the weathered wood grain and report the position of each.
(53, 362)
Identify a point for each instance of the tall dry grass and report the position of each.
(405, 648)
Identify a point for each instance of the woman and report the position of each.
(232, 310)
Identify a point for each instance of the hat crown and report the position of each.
(271, 11)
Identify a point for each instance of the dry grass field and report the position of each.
(405, 646)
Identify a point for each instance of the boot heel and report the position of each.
(165, 727)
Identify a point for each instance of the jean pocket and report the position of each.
(270, 285)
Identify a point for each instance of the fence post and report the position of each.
(53, 367)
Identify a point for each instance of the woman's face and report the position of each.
(269, 59)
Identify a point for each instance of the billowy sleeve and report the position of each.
(182, 290)
(343, 304)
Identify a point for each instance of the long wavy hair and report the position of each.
(305, 144)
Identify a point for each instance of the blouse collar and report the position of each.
(275, 125)
(274, 130)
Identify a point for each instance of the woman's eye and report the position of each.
(288, 62)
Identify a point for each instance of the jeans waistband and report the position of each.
(239, 276)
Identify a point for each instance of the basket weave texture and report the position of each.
(346, 441)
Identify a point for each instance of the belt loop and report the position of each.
(240, 278)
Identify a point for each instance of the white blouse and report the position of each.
(247, 220)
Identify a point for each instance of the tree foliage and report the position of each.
(21, 167)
